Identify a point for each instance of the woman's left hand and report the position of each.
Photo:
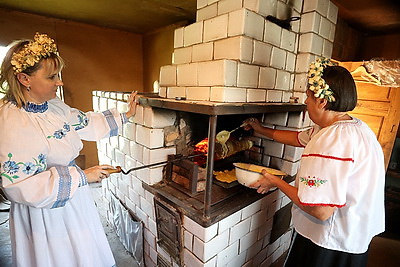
(133, 101)
(264, 184)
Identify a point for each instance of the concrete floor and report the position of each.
(384, 249)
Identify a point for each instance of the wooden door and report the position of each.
(379, 107)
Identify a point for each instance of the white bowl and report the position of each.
(248, 174)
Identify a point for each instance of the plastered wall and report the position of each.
(96, 58)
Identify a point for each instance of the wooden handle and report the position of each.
(116, 170)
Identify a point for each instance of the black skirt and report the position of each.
(304, 253)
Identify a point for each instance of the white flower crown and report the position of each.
(42, 46)
(315, 81)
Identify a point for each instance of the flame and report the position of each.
(202, 146)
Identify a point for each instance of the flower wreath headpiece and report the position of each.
(315, 81)
(42, 46)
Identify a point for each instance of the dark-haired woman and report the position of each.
(339, 189)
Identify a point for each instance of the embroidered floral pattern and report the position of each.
(11, 167)
(61, 133)
(312, 182)
(83, 121)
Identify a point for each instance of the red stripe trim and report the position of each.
(322, 204)
(328, 157)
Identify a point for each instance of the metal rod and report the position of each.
(212, 130)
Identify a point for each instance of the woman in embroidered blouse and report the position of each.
(339, 188)
(53, 219)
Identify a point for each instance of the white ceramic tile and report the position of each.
(273, 148)
(296, 24)
(303, 62)
(248, 240)
(191, 260)
(162, 91)
(325, 28)
(182, 55)
(218, 72)
(251, 209)
(282, 80)
(156, 175)
(237, 48)
(288, 40)
(295, 119)
(229, 221)
(151, 156)
(201, 3)
(202, 52)
(111, 103)
(262, 53)
(247, 75)
(198, 93)
(267, 77)
(278, 58)
(290, 62)
(310, 22)
(258, 219)
(300, 95)
(204, 234)
(158, 118)
(136, 151)
(228, 254)
(256, 254)
(207, 12)
(274, 96)
(225, 6)
(292, 153)
(282, 10)
(310, 5)
(271, 7)
(228, 94)
(311, 43)
(122, 106)
(327, 49)
(188, 240)
(279, 118)
(148, 137)
(216, 28)
(173, 92)
(168, 75)
(297, 5)
(246, 22)
(239, 230)
(332, 33)
(193, 34)
(323, 6)
(178, 37)
(256, 95)
(187, 74)
(332, 12)
(215, 246)
(124, 145)
(95, 103)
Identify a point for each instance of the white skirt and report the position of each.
(69, 236)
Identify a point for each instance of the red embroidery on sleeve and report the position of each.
(327, 157)
(322, 204)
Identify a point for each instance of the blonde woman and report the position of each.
(53, 219)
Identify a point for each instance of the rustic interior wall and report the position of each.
(352, 45)
(96, 58)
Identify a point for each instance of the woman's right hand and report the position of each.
(97, 173)
(252, 123)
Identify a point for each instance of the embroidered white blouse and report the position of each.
(343, 166)
(53, 219)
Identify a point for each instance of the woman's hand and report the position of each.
(133, 101)
(97, 173)
(264, 184)
(252, 123)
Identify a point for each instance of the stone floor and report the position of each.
(384, 249)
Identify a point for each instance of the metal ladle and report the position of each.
(224, 135)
